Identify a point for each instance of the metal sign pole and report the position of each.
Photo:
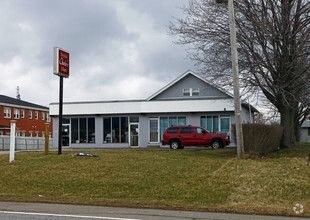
(60, 114)
(61, 68)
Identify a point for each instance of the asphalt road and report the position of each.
(36, 211)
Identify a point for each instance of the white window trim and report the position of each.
(30, 114)
(16, 113)
(185, 92)
(36, 115)
(191, 92)
(48, 118)
(195, 92)
(43, 116)
(158, 130)
(7, 112)
(22, 113)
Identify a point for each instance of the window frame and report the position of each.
(79, 136)
(16, 113)
(187, 92)
(190, 92)
(195, 92)
(22, 113)
(7, 112)
(120, 137)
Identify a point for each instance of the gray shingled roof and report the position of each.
(12, 101)
(306, 124)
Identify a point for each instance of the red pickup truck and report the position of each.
(179, 136)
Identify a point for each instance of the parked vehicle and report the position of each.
(179, 136)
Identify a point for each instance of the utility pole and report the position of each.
(234, 59)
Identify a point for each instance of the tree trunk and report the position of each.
(287, 122)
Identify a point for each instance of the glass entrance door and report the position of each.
(65, 135)
(154, 130)
(134, 135)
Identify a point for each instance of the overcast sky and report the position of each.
(119, 49)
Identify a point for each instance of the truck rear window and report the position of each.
(173, 130)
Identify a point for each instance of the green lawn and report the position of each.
(206, 179)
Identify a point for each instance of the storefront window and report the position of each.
(124, 129)
(65, 120)
(215, 124)
(225, 124)
(91, 130)
(203, 122)
(115, 129)
(83, 130)
(107, 130)
(74, 130)
(173, 121)
(182, 120)
(134, 119)
(163, 126)
(165, 122)
(210, 124)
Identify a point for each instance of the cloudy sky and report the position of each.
(119, 49)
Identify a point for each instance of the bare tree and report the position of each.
(274, 51)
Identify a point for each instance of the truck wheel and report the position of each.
(175, 144)
(216, 144)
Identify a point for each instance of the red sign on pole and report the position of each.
(61, 62)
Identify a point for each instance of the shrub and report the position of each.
(260, 139)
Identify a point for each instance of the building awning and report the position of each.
(4, 127)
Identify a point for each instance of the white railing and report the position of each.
(24, 143)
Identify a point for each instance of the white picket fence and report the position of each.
(24, 143)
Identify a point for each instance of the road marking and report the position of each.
(61, 215)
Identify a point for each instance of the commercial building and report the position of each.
(305, 132)
(188, 100)
(30, 118)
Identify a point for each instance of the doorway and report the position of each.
(154, 130)
(134, 134)
(65, 135)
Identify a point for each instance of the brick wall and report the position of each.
(25, 124)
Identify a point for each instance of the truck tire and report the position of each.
(216, 144)
(175, 144)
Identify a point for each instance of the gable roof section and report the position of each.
(189, 72)
(174, 82)
(306, 124)
(6, 100)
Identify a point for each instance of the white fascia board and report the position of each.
(140, 107)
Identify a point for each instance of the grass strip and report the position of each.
(196, 179)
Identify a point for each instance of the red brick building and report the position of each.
(30, 118)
